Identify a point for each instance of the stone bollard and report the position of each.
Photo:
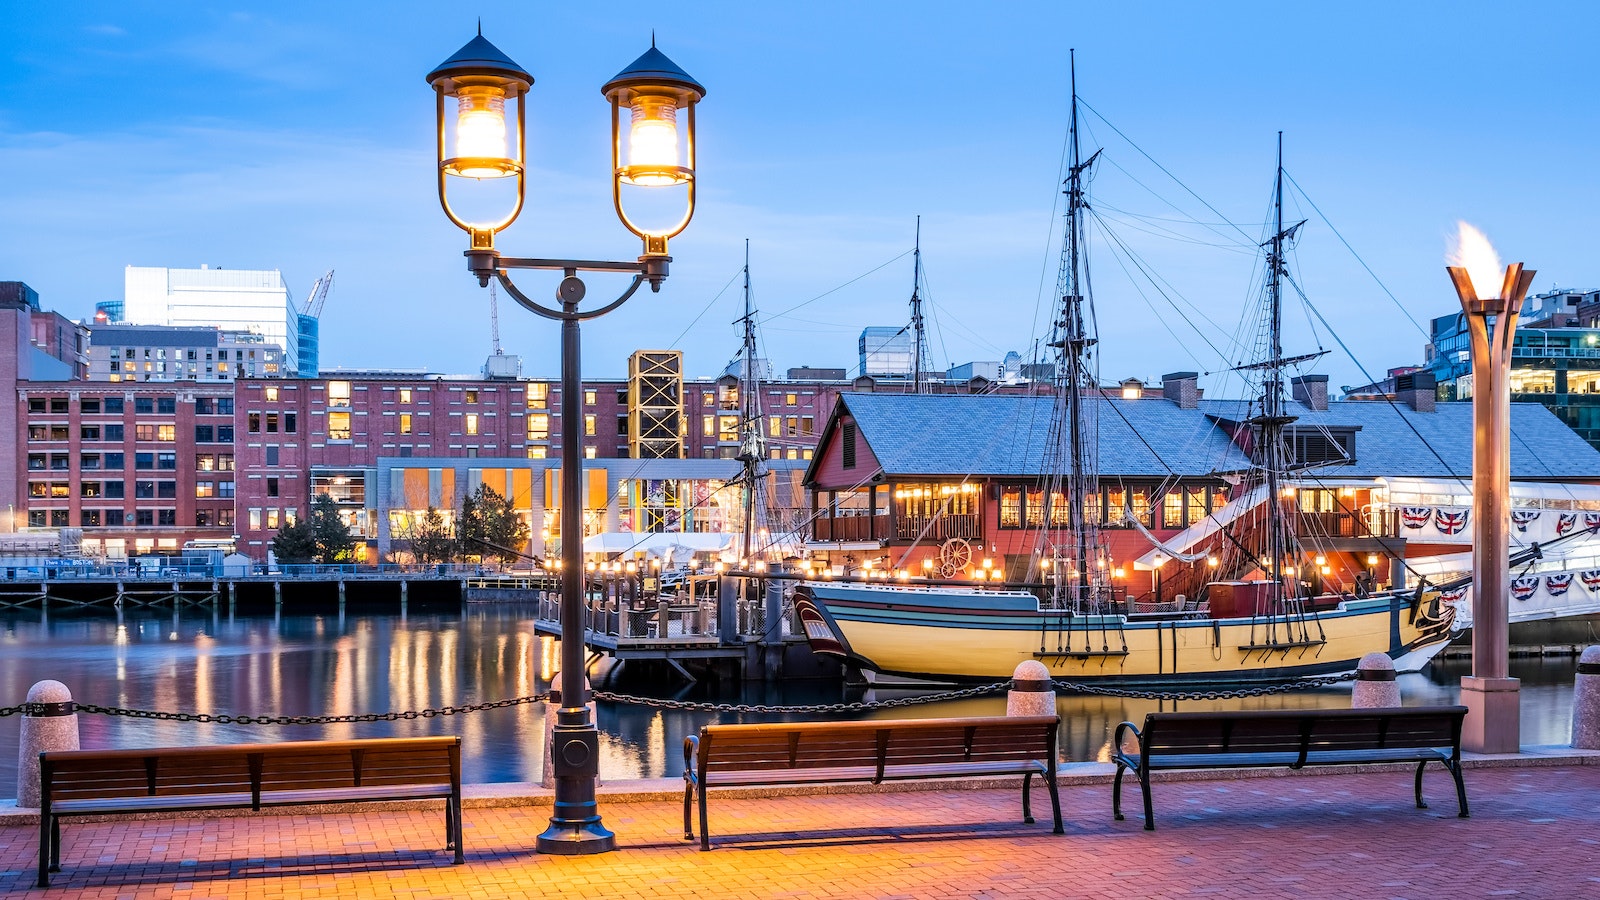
(1586, 702)
(548, 778)
(1031, 693)
(48, 723)
(1375, 684)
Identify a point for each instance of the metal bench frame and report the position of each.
(797, 753)
(214, 782)
(1292, 739)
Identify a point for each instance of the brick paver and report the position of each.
(1533, 832)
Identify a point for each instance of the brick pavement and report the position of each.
(1534, 832)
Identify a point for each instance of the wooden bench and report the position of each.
(874, 751)
(1294, 738)
(244, 776)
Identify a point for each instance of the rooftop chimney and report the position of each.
(1416, 390)
(1182, 388)
(1312, 390)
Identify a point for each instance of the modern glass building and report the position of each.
(253, 300)
(886, 351)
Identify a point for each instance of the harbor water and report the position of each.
(200, 660)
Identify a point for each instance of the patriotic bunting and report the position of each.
(1449, 522)
(1591, 520)
(1415, 516)
(1565, 522)
(1522, 518)
(1523, 588)
(1455, 596)
(1591, 579)
(1556, 585)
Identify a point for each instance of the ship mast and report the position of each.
(1077, 382)
(919, 334)
(752, 445)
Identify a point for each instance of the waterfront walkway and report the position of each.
(1534, 832)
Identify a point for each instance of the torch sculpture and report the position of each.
(1491, 303)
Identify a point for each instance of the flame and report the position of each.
(1472, 251)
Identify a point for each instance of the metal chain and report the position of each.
(1256, 691)
(226, 719)
(9, 711)
(860, 706)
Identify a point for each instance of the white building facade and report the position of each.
(246, 300)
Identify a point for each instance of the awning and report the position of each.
(658, 543)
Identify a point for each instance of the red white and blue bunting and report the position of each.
(1591, 520)
(1415, 516)
(1524, 588)
(1565, 522)
(1591, 579)
(1556, 585)
(1450, 521)
(1455, 596)
(1522, 518)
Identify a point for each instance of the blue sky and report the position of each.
(298, 136)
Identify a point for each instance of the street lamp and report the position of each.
(1491, 303)
(660, 153)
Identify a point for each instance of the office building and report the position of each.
(253, 300)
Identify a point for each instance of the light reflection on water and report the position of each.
(320, 665)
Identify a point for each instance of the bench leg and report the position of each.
(1149, 811)
(1027, 804)
(1055, 803)
(688, 800)
(44, 848)
(450, 824)
(1461, 790)
(705, 824)
(1116, 793)
(1421, 804)
(461, 850)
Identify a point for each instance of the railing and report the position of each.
(852, 528)
(621, 608)
(937, 528)
(166, 568)
(1383, 523)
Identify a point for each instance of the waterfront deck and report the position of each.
(1534, 832)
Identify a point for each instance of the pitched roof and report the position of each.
(992, 434)
(1396, 440)
(989, 434)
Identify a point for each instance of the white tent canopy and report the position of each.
(663, 544)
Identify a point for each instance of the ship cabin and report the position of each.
(958, 487)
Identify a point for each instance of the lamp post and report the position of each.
(655, 153)
(1489, 693)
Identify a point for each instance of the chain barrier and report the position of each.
(1230, 694)
(858, 706)
(226, 719)
(705, 706)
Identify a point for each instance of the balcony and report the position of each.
(1381, 523)
(852, 528)
(937, 528)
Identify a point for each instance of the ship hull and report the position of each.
(957, 635)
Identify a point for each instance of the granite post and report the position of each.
(48, 723)
(1375, 684)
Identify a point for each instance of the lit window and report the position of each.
(338, 393)
(537, 452)
(793, 453)
(806, 453)
(405, 395)
(588, 425)
(166, 432)
(791, 399)
(472, 396)
(205, 489)
(539, 427)
(255, 519)
(472, 422)
(588, 452)
(272, 395)
(538, 393)
(338, 426)
(405, 423)
(708, 400)
(272, 518)
(588, 398)
(708, 424)
(774, 426)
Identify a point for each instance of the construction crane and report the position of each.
(318, 296)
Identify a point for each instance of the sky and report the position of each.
(298, 136)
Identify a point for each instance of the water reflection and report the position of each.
(342, 665)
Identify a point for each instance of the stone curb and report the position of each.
(528, 794)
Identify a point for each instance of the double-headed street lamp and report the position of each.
(657, 151)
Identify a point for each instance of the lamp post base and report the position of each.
(1494, 723)
(583, 837)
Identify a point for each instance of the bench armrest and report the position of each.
(1116, 742)
(691, 746)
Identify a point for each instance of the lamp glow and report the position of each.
(653, 143)
(481, 134)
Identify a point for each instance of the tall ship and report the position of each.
(1125, 539)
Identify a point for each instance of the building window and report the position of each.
(405, 423)
(339, 393)
(60, 518)
(405, 395)
(36, 404)
(622, 425)
(202, 518)
(847, 445)
(708, 400)
(166, 517)
(205, 489)
(144, 461)
(225, 489)
(289, 423)
(114, 432)
(472, 396)
(225, 406)
(589, 398)
(791, 426)
(203, 434)
(89, 405)
(144, 517)
(253, 423)
(205, 462)
(808, 425)
(538, 393)
(272, 395)
(727, 428)
(224, 462)
(272, 518)
(89, 461)
(89, 518)
(537, 452)
(791, 400)
(113, 461)
(224, 434)
(774, 425)
(167, 490)
(588, 425)
(588, 453)
(114, 405)
(1172, 509)
(36, 518)
(144, 432)
(89, 433)
(272, 423)
(338, 426)
(708, 424)
(272, 455)
(472, 418)
(144, 405)
(1011, 507)
(255, 520)
(36, 461)
(167, 405)
(272, 487)
(202, 405)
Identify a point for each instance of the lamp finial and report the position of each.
(480, 26)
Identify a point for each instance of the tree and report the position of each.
(334, 542)
(490, 527)
(295, 544)
(431, 541)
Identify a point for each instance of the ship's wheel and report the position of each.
(954, 557)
